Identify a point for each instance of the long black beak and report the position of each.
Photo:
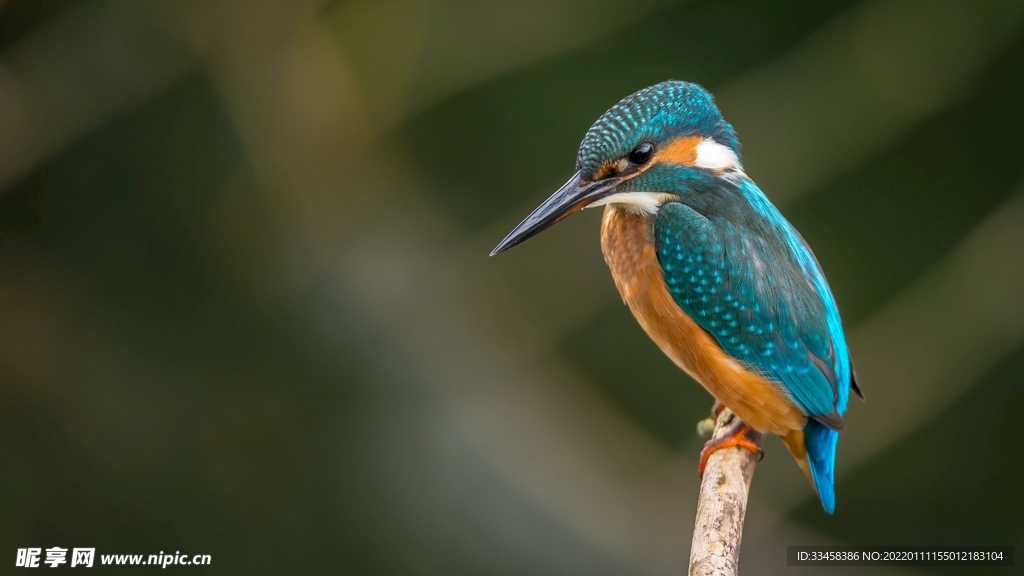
(572, 196)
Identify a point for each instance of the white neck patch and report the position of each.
(715, 156)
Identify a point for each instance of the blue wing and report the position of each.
(741, 271)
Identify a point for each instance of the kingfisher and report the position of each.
(713, 272)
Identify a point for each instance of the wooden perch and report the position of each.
(722, 505)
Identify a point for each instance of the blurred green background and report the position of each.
(247, 311)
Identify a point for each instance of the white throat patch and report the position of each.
(638, 202)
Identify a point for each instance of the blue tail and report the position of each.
(821, 456)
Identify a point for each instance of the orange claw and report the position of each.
(737, 437)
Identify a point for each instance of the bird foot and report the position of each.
(739, 434)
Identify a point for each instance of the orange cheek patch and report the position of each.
(681, 151)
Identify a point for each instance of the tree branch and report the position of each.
(722, 505)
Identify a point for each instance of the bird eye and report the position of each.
(642, 153)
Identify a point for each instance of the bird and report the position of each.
(713, 272)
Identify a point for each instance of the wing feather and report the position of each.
(758, 296)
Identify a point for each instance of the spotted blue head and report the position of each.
(649, 148)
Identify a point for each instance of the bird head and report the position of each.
(653, 146)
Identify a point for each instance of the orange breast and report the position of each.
(627, 240)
